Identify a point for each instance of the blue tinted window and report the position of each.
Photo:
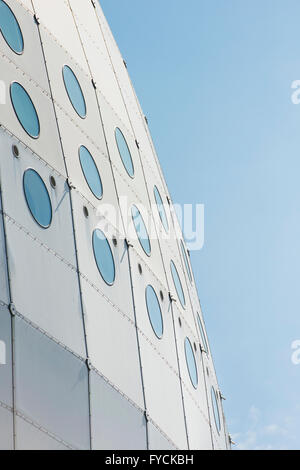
(104, 257)
(10, 29)
(161, 209)
(202, 334)
(215, 409)
(124, 152)
(191, 362)
(25, 110)
(141, 230)
(90, 172)
(37, 198)
(154, 311)
(177, 283)
(186, 261)
(74, 91)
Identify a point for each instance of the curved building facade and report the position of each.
(102, 339)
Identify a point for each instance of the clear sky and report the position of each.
(214, 78)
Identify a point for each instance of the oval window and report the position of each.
(161, 209)
(74, 91)
(177, 284)
(202, 334)
(90, 172)
(104, 257)
(37, 198)
(10, 29)
(124, 152)
(186, 261)
(25, 110)
(141, 230)
(154, 311)
(191, 362)
(216, 409)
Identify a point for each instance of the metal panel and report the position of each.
(4, 288)
(112, 344)
(27, 4)
(51, 386)
(57, 18)
(97, 56)
(116, 423)
(57, 57)
(72, 139)
(120, 292)
(31, 61)
(47, 145)
(45, 289)
(6, 429)
(157, 441)
(5, 369)
(163, 394)
(59, 236)
(197, 425)
(30, 437)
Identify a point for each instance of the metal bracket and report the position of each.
(94, 84)
(12, 309)
(128, 243)
(137, 144)
(70, 184)
(172, 298)
(93, 3)
(36, 19)
(146, 119)
(125, 63)
(88, 363)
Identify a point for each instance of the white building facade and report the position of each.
(102, 339)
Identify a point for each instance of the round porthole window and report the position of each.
(25, 110)
(177, 284)
(104, 257)
(10, 29)
(186, 261)
(202, 334)
(141, 230)
(191, 362)
(154, 311)
(74, 91)
(124, 152)
(216, 409)
(37, 198)
(90, 172)
(161, 209)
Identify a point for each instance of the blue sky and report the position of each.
(214, 78)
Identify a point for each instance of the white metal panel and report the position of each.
(157, 441)
(165, 346)
(5, 369)
(97, 56)
(6, 429)
(112, 344)
(116, 423)
(59, 236)
(72, 139)
(29, 437)
(163, 394)
(51, 386)
(197, 425)
(47, 146)
(198, 394)
(45, 289)
(120, 292)
(57, 18)
(31, 61)
(4, 288)
(90, 126)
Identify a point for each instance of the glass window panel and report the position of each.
(161, 209)
(25, 110)
(104, 257)
(154, 311)
(74, 91)
(37, 198)
(124, 152)
(141, 230)
(10, 28)
(177, 283)
(191, 362)
(90, 172)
